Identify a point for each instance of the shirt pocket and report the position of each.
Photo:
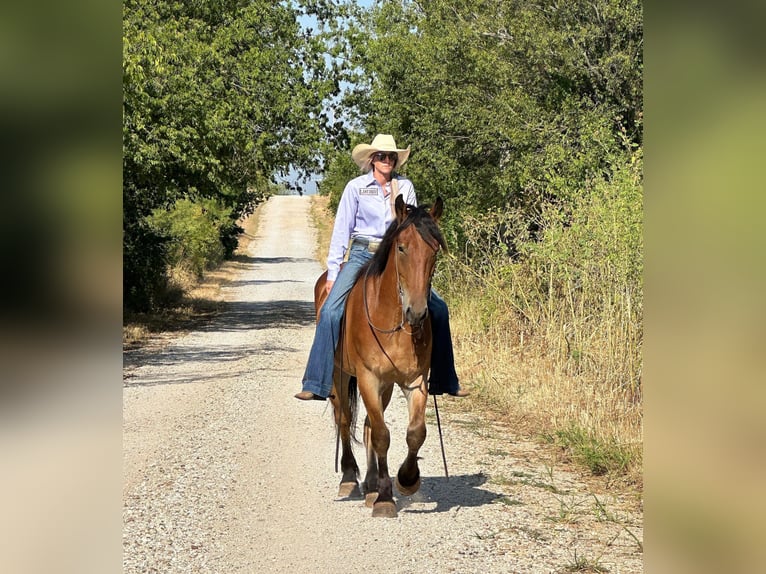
(372, 210)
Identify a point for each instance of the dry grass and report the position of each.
(323, 222)
(597, 426)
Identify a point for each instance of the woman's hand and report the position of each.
(328, 285)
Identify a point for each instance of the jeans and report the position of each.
(321, 362)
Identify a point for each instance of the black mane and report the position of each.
(420, 217)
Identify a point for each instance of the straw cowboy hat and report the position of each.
(362, 153)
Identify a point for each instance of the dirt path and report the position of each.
(225, 472)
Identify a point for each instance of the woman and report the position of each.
(364, 213)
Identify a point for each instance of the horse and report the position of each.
(385, 339)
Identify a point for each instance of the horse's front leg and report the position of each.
(370, 484)
(380, 439)
(408, 477)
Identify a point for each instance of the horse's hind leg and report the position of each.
(408, 477)
(349, 485)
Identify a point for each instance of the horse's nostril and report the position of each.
(415, 318)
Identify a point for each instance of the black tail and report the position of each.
(348, 395)
(353, 404)
(348, 402)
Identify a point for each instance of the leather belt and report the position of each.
(370, 245)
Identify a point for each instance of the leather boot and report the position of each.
(308, 396)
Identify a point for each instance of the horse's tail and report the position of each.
(353, 405)
(348, 404)
(349, 392)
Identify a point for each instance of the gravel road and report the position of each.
(225, 472)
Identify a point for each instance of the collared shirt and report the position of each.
(364, 211)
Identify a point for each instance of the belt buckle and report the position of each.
(372, 246)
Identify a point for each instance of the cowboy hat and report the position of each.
(362, 153)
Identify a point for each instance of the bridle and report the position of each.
(400, 326)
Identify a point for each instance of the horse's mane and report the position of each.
(420, 217)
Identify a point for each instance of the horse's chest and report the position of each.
(406, 358)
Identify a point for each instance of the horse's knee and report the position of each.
(416, 436)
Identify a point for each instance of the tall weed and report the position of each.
(549, 325)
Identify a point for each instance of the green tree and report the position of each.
(510, 104)
(218, 97)
(526, 116)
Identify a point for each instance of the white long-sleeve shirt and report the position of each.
(364, 211)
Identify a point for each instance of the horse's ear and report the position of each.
(438, 209)
(401, 209)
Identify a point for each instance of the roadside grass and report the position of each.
(600, 456)
(570, 511)
(596, 425)
(603, 515)
(584, 564)
(323, 223)
(191, 303)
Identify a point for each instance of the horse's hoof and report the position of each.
(349, 490)
(407, 490)
(370, 499)
(384, 510)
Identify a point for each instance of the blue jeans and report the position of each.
(319, 369)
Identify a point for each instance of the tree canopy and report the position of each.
(218, 97)
(507, 102)
(526, 116)
(527, 108)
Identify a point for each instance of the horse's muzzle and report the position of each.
(416, 318)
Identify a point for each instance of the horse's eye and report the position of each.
(401, 249)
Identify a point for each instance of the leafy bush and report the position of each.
(199, 233)
(340, 168)
(143, 272)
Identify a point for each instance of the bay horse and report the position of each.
(385, 339)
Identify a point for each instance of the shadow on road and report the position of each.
(243, 315)
(267, 260)
(236, 316)
(460, 490)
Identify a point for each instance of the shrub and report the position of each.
(200, 233)
(144, 278)
(549, 324)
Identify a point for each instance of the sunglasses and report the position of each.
(382, 156)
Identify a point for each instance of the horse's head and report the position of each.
(414, 249)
